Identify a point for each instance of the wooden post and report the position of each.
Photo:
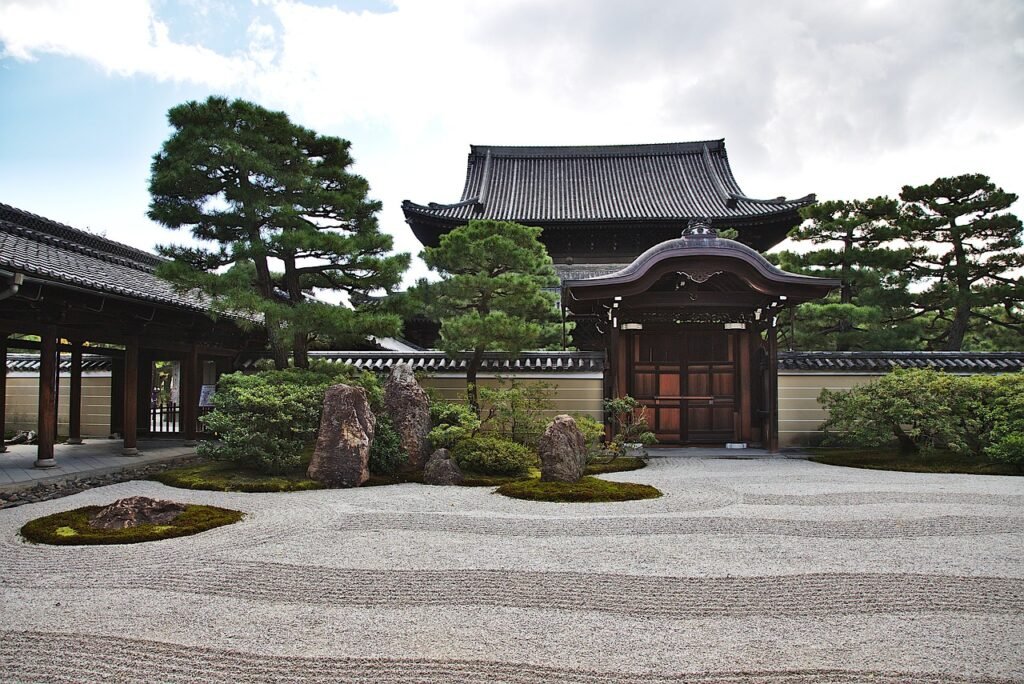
(744, 352)
(75, 404)
(773, 385)
(117, 395)
(131, 398)
(48, 369)
(189, 395)
(3, 390)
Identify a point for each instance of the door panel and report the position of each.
(688, 384)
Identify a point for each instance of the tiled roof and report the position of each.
(51, 251)
(29, 363)
(673, 181)
(882, 361)
(438, 362)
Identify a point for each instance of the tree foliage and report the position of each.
(278, 216)
(974, 250)
(852, 241)
(492, 293)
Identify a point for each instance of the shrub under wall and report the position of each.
(923, 410)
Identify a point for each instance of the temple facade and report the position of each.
(686, 319)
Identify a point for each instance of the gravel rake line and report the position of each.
(942, 526)
(41, 656)
(867, 498)
(630, 595)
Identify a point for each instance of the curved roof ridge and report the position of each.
(567, 151)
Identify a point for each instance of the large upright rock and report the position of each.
(409, 409)
(342, 454)
(441, 469)
(563, 451)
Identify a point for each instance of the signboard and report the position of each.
(206, 396)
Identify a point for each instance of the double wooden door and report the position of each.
(688, 384)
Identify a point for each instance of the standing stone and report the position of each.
(409, 409)
(441, 469)
(342, 454)
(135, 511)
(563, 451)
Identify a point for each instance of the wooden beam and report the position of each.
(130, 415)
(47, 425)
(75, 403)
(3, 391)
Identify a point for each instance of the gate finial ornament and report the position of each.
(699, 226)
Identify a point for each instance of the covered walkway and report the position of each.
(95, 457)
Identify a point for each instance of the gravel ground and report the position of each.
(779, 571)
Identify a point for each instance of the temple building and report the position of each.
(686, 319)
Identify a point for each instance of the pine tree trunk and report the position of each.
(471, 370)
(962, 317)
(300, 350)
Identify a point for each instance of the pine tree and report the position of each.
(973, 251)
(285, 218)
(492, 293)
(853, 243)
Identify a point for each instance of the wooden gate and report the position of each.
(688, 384)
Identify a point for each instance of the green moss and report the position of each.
(894, 459)
(225, 476)
(72, 527)
(587, 490)
(616, 465)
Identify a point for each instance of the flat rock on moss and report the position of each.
(134, 511)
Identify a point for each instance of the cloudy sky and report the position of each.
(843, 98)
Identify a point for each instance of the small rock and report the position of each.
(441, 469)
(563, 451)
(135, 511)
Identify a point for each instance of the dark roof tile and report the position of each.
(52, 251)
(672, 181)
(884, 361)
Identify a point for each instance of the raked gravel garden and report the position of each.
(763, 570)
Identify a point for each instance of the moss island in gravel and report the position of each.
(587, 490)
(72, 528)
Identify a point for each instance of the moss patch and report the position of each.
(72, 527)
(224, 476)
(894, 459)
(587, 490)
(616, 465)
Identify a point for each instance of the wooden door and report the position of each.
(688, 384)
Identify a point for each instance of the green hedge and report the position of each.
(494, 456)
(264, 420)
(925, 410)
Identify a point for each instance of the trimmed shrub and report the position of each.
(925, 410)
(452, 422)
(386, 452)
(517, 411)
(494, 456)
(1007, 436)
(264, 420)
(593, 435)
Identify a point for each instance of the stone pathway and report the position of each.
(766, 570)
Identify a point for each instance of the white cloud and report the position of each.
(845, 99)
